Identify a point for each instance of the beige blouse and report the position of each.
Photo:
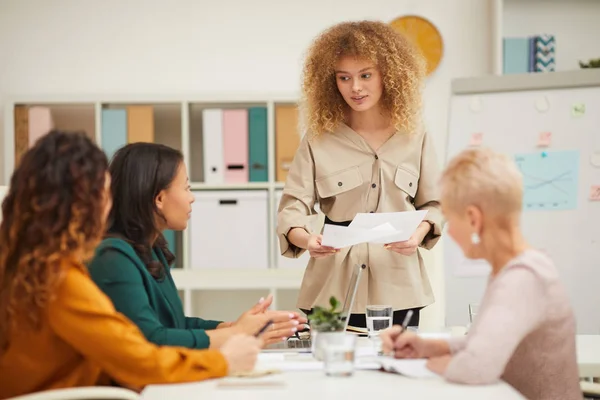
(342, 173)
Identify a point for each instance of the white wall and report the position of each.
(573, 22)
(183, 46)
(3, 191)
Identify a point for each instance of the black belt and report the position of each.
(342, 223)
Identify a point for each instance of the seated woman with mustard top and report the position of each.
(57, 329)
(151, 193)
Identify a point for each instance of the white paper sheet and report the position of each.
(373, 228)
(360, 363)
(339, 237)
(403, 224)
(413, 368)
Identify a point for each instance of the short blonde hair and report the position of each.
(483, 178)
(401, 64)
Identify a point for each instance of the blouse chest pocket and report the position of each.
(339, 182)
(407, 181)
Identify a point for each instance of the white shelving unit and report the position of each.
(573, 22)
(283, 283)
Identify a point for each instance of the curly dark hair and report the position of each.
(53, 214)
(401, 65)
(140, 171)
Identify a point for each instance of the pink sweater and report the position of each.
(524, 334)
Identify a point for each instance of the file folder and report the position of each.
(212, 146)
(169, 236)
(40, 123)
(287, 138)
(516, 55)
(114, 130)
(140, 124)
(235, 142)
(257, 134)
(21, 114)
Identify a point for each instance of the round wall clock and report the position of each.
(425, 36)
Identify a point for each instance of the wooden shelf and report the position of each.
(242, 186)
(178, 123)
(236, 278)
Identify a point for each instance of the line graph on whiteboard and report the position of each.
(550, 180)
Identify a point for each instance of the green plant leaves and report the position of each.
(327, 320)
(594, 63)
(333, 302)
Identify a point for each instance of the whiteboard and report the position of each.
(550, 124)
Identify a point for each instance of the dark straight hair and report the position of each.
(140, 171)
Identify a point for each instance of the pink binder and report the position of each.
(235, 145)
(40, 123)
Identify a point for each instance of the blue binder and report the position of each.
(516, 55)
(257, 144)
(170, 238)
(114, 130)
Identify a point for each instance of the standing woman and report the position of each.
(364, 151)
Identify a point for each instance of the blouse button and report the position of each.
(340, 184)
(410, 184)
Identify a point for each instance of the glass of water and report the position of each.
(379, 317)
(339, 350)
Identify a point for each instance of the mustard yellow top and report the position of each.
(85, 342)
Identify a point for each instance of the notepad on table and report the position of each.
(357, 329)
(412, 368)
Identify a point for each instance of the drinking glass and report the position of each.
(339, 350)
(379, 317)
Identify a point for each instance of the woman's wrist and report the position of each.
(437, 348)
(299, 237)
(424, 229)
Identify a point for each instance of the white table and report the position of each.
(588, 355)
(364, 384)
(315, 385)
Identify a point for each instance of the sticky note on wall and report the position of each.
(544, 139)
(476, 139)
(595, 193)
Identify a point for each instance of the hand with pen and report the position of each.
(284, 323)
(241, 350)
(400, 343)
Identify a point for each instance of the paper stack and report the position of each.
(373, 228)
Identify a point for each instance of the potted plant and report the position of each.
(325, 321)
(593, 63)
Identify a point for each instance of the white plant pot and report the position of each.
(320, 339)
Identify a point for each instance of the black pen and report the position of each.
(407, 318)
(264, 328)
(405, 323)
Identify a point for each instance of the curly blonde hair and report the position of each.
(402, 68)
(53, 213)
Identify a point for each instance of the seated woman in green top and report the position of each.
(151, 193)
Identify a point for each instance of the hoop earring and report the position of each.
(475, 239)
